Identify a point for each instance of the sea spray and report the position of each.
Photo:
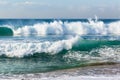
(68, 28)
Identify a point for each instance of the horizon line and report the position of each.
(60, 18)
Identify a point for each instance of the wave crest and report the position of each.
(70, 28)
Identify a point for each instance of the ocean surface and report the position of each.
(30, 46)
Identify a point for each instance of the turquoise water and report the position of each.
(35, 46)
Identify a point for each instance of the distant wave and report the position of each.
(70, 28)
(92, 27)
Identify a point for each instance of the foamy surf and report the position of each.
(69, 78)
(103, 72)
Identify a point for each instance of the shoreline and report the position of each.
(107, 71)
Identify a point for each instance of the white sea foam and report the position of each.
(20, 49)
(77, 55)
(110, 53)
(62, 28)
(102, 54)
(65, 77)
(56, 77)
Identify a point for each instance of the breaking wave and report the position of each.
(25, 48)
(22, 48)
(70, 28)
(92, 27)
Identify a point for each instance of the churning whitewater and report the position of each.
(28, 47)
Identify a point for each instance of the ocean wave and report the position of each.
(92, 27)
(70, 28)
(24, 48)
(21, 48)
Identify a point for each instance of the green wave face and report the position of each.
(5, 31)
(87, 45)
